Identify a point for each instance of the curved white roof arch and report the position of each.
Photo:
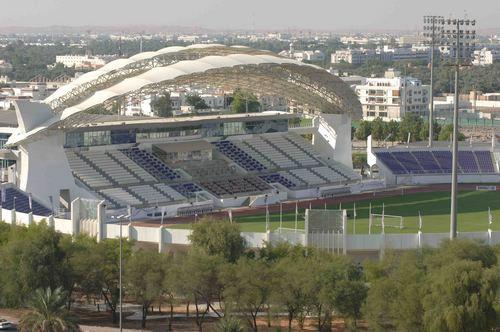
(122, 63)
(223, 65)
(160, 74)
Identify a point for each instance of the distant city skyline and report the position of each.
(362, 15)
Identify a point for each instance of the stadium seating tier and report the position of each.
(436, 162)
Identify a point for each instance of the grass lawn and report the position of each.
(434, 207)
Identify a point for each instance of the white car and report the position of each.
(5, 324)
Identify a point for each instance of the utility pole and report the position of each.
(434, 24)
(454, 165)
(458, 36)
(431, 92)
(120, 278)
(462, 41)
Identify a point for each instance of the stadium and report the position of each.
(69, 149)
(193, 164)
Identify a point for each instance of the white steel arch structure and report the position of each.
(229, 67)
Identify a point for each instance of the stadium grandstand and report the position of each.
(64, 148)
(416, 164)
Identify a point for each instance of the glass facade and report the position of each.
(4, 163)
(211, 129)
(3, 139)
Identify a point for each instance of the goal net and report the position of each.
(386, 220)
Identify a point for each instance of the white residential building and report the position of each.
(83, 61)
(485, 57)
(354, 56)
(316, 55)
(360, 56)
(422, 53)
(392, 96)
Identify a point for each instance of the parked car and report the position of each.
(5, 324)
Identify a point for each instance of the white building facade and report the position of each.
(82, 61)
(392, 96)
(485, 57)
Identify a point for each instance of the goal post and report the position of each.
(385, 220)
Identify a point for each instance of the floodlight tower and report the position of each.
(459, 37)
(433, 27)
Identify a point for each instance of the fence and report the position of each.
(162, 236)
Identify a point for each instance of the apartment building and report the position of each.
(392, 96)
(485, 57)
(83, 61)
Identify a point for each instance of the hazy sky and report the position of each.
(246, 14)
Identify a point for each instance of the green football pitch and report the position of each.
(434, 208)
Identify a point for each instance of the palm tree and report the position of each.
(48, 313)
(229, 324)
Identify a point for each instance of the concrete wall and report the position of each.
(163, 236)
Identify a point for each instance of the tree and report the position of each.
(396, 292)
(377, 308)
(98, 270)
(378, 129)
(244, 102)
(337, 286)
(82, 258)
(363, 131)
(452, 288)
(169, 287)
(5, 230)
(32, 258)
(162, 106)
(447, 132)
(424, 132)
(107, 257)
(461, 298)
(411, 123)
(197, 278)
(462, 250)
(289, 293)
(393, 130)
(145, 273)
(247, 287)
(218, 237)
(359, 160)
(48, 313)
(196, 101)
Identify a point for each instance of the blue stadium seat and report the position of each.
(485, 161)
(22, 203)
(427, 161)
(186, 189)
(277, 178)
(388, 159)
(151, 164)
(467, 162)
(432, 162)
(239, 156)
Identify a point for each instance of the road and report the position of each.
(84, 328)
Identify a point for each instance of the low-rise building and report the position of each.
(354, 56)
(386, 54)
(84, 61)
(484, 57)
